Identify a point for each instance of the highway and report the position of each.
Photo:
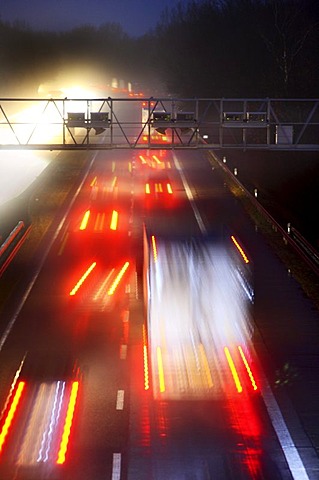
(76, 397)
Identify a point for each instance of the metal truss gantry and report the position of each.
(165, 123)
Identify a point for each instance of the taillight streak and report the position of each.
(204, 362)
(114, 220)
(85, 220)
(102, 288)
(145, 361)
(250, 374)
(68, 424)
(118, 279)
(82, 279)
(142, 159)
(169, 188)
(11, 413)
(160, 370)
(233, 370)
(154, 248)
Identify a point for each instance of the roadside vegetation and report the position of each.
(203, 48)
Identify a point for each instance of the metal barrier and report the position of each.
(292, 237)
(170, 123)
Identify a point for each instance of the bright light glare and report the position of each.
(18, 170)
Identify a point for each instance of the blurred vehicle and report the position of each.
(198, 298)
(36, 420)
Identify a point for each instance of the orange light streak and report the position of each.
(206, 365)
(250, 374)
(147, 188)
(241, 251)
(160, 370)
(85, 220)
(233, 370)
(114, 220)
(82, 279)
(68, 424)
(158, 188)
(93, 182)
(11, 413)
(154, 248)
(157, 160)
(145, 361)
(169, 188)
(142, 159)
(118, 279)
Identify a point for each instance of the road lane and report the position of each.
(119, 430)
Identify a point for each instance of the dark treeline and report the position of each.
(203, 48)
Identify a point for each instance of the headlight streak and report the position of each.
(82, 279)
(11, 413)
(118, 278)
(54, 421)
(68, 424)
(37, 423)
(85, 220)
(239, 248)
(233, 370)
(147, 189)
(169, 188)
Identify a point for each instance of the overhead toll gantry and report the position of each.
(157, 123)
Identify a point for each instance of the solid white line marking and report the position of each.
(291, 453)
(116, 468)
(190, 196)
(120, 400)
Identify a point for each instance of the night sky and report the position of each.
(135, 16)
